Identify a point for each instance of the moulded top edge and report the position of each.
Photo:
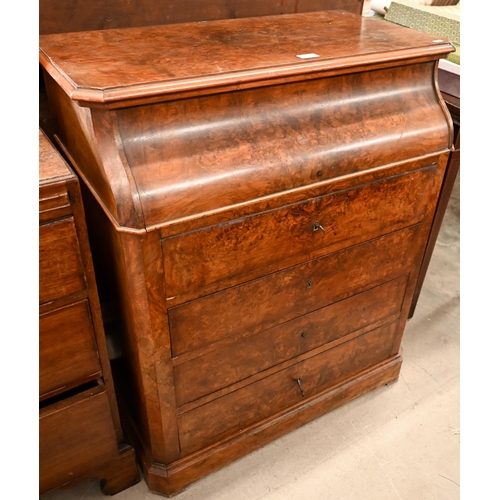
(120, 64)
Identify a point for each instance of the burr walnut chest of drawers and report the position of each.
(80, 436)
(259, 195)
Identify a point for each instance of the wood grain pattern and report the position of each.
(240, 146)
(73, 434)
(207, 157)
(245, 357)
(163, 369)
(60, 265)
(261, 399)
(121, 473)
(127, 274)
(59, 16)
(67, 349)
(195, 56)
(54, 175)
(241, 155)
(52, 168)
(53, 204)
(295, 233)
(262, 303)
(80, 431)
(142, 347)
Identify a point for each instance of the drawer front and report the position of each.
(244, 407)
(53, 201)
(250, 355)
(75, 437)
(266, 302)
(297, 232)
(60, 266)
(67, 349)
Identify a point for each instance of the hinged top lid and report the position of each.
(111, 66)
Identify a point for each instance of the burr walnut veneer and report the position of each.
(80, 434)
(257, 219)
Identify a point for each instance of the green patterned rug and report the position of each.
(440, 21)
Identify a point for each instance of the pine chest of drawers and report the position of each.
(259, 194)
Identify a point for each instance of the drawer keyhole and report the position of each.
(303, 335)
(309, 284)
(299, 383)
(318, 227)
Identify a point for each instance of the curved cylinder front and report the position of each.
(197, 155)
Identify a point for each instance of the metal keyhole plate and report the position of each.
(318, 227)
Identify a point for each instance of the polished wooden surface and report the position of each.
(75, 436)
(289, 234)
(103, 67)
(52, 169)
(232, 361)
(234, 209)
(67, 350)
(80, 431)
(59, 249)
(244, 146)
(254, 402)
(289, 293)
(60, 16)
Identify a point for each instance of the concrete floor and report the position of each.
(398, 442)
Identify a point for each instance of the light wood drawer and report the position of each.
(244, 407)
(60, 266)
(297, 232)
(75, 436)
(67, 349)
(266, 302)
(250, 355)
